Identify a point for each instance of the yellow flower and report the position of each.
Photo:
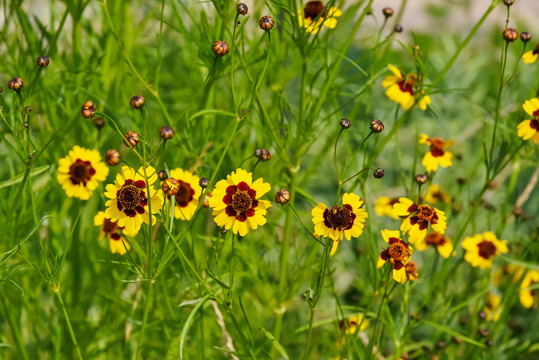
(418, 219)
(128, 204)
(398, 254)
(434, 194)
(411, 271)
(443, 244)
(350, 324)
(109, 229)
(236, 202)
(80, 172)
(437, 155)
(188, 194)
(384, 207)
(481, 248)
(508, 269)
(528, 297)
(493, 309)
(530, 56)
(529, 129)
(315, 16)
(401, 89)
(339, 222)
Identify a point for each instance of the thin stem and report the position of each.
(144, 319)
(232, 263)
(335, 156)
(56, 290)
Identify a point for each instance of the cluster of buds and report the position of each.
(112, 157)
(220, 48)
(15, 84)
(88, 109)
(137, 102)
(131, 139)
(266, 23)
(166, 133)
(262, 154)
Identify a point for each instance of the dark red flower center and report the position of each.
(435, 239)
(534, 124)
(437, 147)
(486, 249)
(339, 218)
(185, 194)
(425, 212)
(241, 201)
(407, 84)
(411, 267)
(81, 172)
(131, 199)
(397, 251)
(313, 9)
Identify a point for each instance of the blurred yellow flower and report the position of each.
(493, 309)
(529, 129)
(384, 207)
(481, 248)
(435, 194)
(315, 16)
(442, 243)
(400, 88)
(411, 271)
(530, 56)
(436, 156)
(528, 297)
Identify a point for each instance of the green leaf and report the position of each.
(18, 178)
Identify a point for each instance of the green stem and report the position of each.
(14, 328)
(144, 319)
(56, 290)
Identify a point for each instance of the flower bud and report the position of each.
(43, 61)
(388, 12)
(242, 9)
(488, 342)
(166, 132)
(99, 122)
(88, 109)
(220, 48)
(262, 154)
(162, 175)
(378, 173)
(203, 182)
(27, 109)
(112, 157)
(15, 84)
(525, 37)
(398, 28)
(345, 123)
(266, 23)
(376, 126)
(170, 186)
(137, 102)
(508, 2)
(510, 34)
(421, 179)
(484, 332)
(131, 139)
(223, 231)
(206, 201)
(282, 196)
(482, 315)
(1, 90)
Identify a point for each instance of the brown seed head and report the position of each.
(170, 186)
(266, 23)
(88, 109)
(345, 123)
(131, 139)
(99, 122)
(282, 196)
(378, 173)
(166, 132)
(388, 12)
(112, 157)
(15, 84)
(242, 9)
(525, 36)
(510, 34)
(43, 61)
(220, 48)
(376, 126)
(137, 102)
(162, 175)
(421, 179)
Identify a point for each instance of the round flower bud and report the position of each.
(27, 109)
(170, 186)
(525, 37)
(112, 157)
(15, 84)
(376, 126)
(258, 153)
(517, 211)
(220, 48)
(166, 132)
(266, 23)
(345, 123)
(484, 332)
(88, 110)
(282, 196)
(510, 34)
(488, 342)
(43, 61)
(388, 12)
(508, 2)
(378, 173)
(131, 139)
(223, 231)
(99, 122)
(162, 175)
(421, 179)
(203, 182)
(482, 315)
(242, 9)
(137, 102)
(398, 28)
(262, 154)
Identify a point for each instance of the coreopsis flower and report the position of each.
(339, 222)
(493, 309)
(435, 195)
(350, 325)
(516, 271)
(398, 254)
(236, 202)
(418, 218)
(384, 207)
(109, 229)
(80, 172)
(129, 201)
(403, 89)
(411, 271)
(315, 16)
(442, 243)
(188, 195)
(528, 297)
(530, 56)
(436, 156)
(529, 129)
(482, 248)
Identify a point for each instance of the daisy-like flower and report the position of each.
(384, 207)
(402, 89)
(492, 308)
(481, 248)
(411, 271)
(398, 254)
(442, 243)
(315, 16)
(528, 297)
(128, 204)
(435, 195)
(109, 229)
(339, 222)
(236, 202)
(418, 218)
(436, 156)
(530, 56)
(350, 324)
(80, 172)
(529, 129)
(188, 194)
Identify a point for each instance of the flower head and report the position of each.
(529, 129)
(109, 229)
(435, 195)
(339, 222)
(129, 202)
(442, 243)
(398, 253)
(236, 202)
(481, 248)
(384, 207)
(403, 89)
(315, 16)
(436, 156)
(530, 56)
(351, 324)
(492, 309)
(189, 191)
(80, 172)
(528, 297)
(411, 271)
(418, 218)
